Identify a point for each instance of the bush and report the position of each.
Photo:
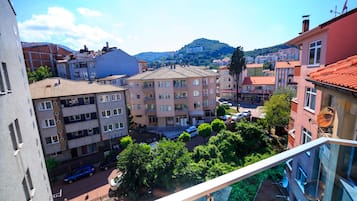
(184, 137)
(221, 110)
(218, 125)
(125, 141)
(51, 163)
(204, 130)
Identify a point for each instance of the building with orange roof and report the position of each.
(257, 89)
(321, 46)
(284, 73)
(338, 119)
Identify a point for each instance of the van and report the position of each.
(192, 131)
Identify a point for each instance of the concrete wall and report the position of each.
(16, 106)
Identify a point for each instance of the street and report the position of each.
(89, 188)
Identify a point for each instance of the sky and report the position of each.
(167, 25)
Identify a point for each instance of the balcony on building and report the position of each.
(334, 175)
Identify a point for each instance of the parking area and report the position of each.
(95, 187)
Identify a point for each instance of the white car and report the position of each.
(115, 182)
(236, 117)
(227, 103)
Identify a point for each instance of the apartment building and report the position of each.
(325, 44)
(284, 74)
(257, 89)
(338, 119)
(227, 84)
(254, 69)
(23, 171)
(116, 80)
(172, 96)
(78, 118)
(89, 65)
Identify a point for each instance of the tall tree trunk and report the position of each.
(237, 88)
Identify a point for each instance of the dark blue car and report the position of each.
(83, 171)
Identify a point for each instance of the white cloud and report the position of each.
(59, 25)
(88, 12)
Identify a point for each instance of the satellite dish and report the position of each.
(325, 117)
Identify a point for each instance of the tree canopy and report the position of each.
(125, 141)
(236, 66)
(218, 125)
(204, 130)
(184, 137)
(40, 73)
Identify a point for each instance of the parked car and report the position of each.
(236, 117)
(227, 103)
(78, 173)
(109, 161)
(225, 118)
(192, 130)
(115, 182)
(247, 114)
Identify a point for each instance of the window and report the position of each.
(117, 111)
(301, 178)
(196, 82)
(314, 52)
(18, 131)
(47, 123)
(310, 99)
(306, 137)
(138, 96)
(108, 128)
(119, 125)
(139, 106)
(106, 113)
(52, 139)
(46, 105)
(6, 75)
(196, 93)
(104, 98)
(196, 105)
(87, 116)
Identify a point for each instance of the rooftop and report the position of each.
(174, 72)
(287, 64)
(259, 80)
(254, 65)
(341, 74)
(112, 77)
(57, 87)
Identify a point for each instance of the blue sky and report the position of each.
(167, 25)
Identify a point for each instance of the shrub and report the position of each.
(204, 130)
(218, 125)
(184, 137)
(125, 141)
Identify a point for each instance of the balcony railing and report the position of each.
(207, 189)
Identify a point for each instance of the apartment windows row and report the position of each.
(48, 123)
(83, 133)
(5, 85)
(111, 127)
(150, 106)
(80, 117)
(113, 112)
(164, 96)
(110, 98)
(148, 85)
(182, 94)
(15, 134)
(70, 102)
(164, 84)
(180, 83)
(165, 108)
(138, 107)
(181, 107)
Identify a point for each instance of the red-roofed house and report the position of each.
(257, 89)
(321, 46)
(338, 84)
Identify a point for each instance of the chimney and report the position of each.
(305, 23)
(107, 44)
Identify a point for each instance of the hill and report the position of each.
(266, 50)
(153, 56)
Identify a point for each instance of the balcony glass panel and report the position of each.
(329, 174)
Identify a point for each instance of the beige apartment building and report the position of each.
(78, 118)
(173, 96)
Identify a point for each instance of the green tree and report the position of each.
(134, 162)
(253, 136)
(125, 141)
(40, 73)
(221, 110)
(130, 117)
(218, 125)
(170, 160)
(184, 137)
(267, 66)
(277, 111)
(204, 130)
(206, 152)
(51, 163)
(236, 66)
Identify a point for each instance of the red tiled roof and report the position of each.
(287, 64)
(259, 80)
(342, 73)
(254, 65)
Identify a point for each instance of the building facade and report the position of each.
(254, 69)
(284, 74)
(327, 43)
(78, 118)
(23, 170)
(257, 89)
(90, 65)
(338, 85)
(172, 96)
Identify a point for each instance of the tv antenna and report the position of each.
(335, 11)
